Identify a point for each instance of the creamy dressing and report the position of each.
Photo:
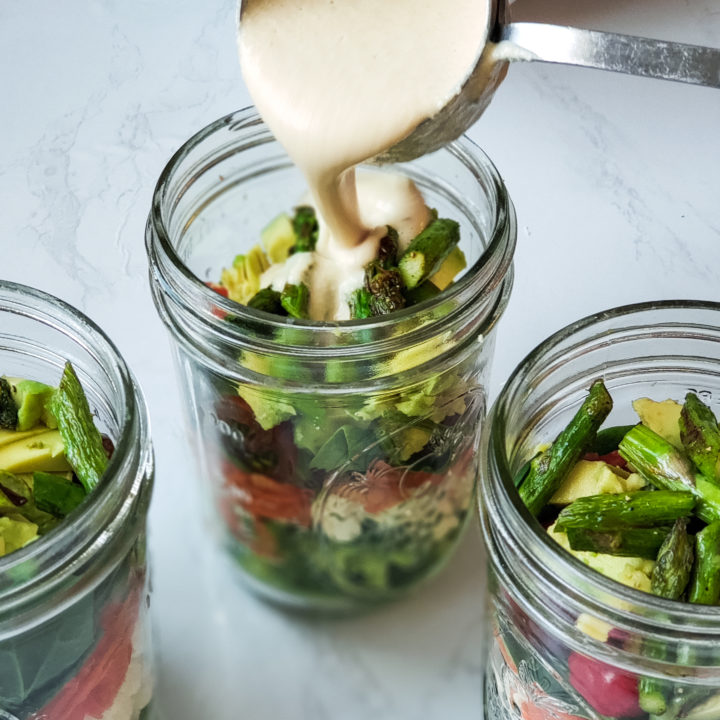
(340, 81)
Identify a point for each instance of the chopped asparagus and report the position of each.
(631, 542)
(667, 468)
(385, 288)
(700, 437)
(705, 586)
(360, 304)
(8, 408)
(305, 227)
(387, 254)
(425, 291)
(673, 566)
(267, 300)
(642, 508)
(56, 495)
(548, 469)
(427, 252)
(83, 442)
(608, 439)
(295, 300)
(669, 580)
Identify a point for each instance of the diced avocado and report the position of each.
(452, 265)
(31, 398)
(43, 451)
(11, 436)
(278, 237)
(242, 280)
(8, 408)
(708, 710)
(661, 417)
(269, 409)
(15, 533)
(419, 354)
(630, 571)
(593, 477)
(593, 627)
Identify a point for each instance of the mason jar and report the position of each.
(566, 641)
(74, 639)
(338, 457)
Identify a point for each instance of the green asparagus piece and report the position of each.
(387, 253)
(608, 439)
(267, 300)
(425, 291)
(700, 437)
(360, 304)
(669, 580)
(674, 563)
(427, 251)
(548, 470)
(385, 288)
(8, 409)
(305, 227)
(642, 508)
(295, 300)
(631, 542)
(705, 585)
(667, 468)
(83, 443)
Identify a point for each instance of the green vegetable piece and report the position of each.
(548, 469)
(427, 252)
(700, 437)
(705, 585)
(387, 253)
(305, 227)
(631, 542)
(32, 400)
(669, 580)
(385, 288)
(665, 467)
(55, 494)
(343, 445)
(360, 304)
(267, 300)
(295, 300)
(425, 291)
(674, 563)
(642, 508)
(8, 408)
(608, 439)
(83, 443)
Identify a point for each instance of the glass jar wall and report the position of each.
(338, 457)
(566, 641)
(74, 641)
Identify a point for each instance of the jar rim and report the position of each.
(190, 292)
(108, 504)
(522, 528)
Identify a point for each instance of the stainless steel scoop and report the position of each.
(513, 42)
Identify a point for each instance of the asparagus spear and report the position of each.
(305, 227)
(360, 304)
(700, 437)
(705, 586)
(548, 469)
(295, 300)
(427, 251)
(425, 291)
(669, 580)
(385, 288)
(8, 409)
(268, 300)
(665, 467)
(642, 508)
(632, 542)
(387, 254)
(83, 443)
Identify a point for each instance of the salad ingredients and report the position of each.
(648, 520)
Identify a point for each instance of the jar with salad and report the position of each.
(334, 412)
(76, 471)
(601, 514)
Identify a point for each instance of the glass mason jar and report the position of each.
(568, 642)
(74, 639)
(338, 457)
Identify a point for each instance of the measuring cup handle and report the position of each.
(609, 51)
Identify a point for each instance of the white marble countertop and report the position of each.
(616, 183)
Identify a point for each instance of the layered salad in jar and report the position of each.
(87, 662)
(639, 504)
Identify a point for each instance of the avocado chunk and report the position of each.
(661, 417)
(31, 398)
(44, 451)
(15, 533)
(10, 436)
(278, 238)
